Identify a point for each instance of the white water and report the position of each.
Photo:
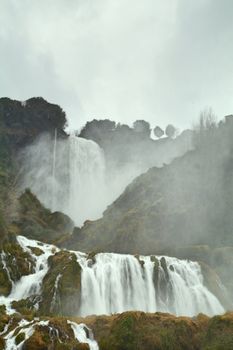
(114, 283)
(24, 326)
(81, 335)
(30, 284)
(117, 283)
(67, 175)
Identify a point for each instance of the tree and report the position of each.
(205, 129)
(170, 131)
(158, 132)
(98, 130)
(142, 127)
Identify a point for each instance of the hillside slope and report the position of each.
(182, 209)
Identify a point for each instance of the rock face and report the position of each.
(36, 222)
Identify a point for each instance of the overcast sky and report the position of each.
(160, 60)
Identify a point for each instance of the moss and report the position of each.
(2, 310)
(64, 271)
(219, 335)
(36, 251)
(26, 307)
(2, 343)
(5, 283)
(3, 230)
(122, 335)
(19, 338)
(18, 261)
(58, 335)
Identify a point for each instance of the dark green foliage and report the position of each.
(142, 127)
(170, 130)
(158, 132)
(26, 121)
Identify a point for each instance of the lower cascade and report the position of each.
(113, 283)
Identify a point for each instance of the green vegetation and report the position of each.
(61, 285)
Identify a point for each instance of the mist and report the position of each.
(78, 177)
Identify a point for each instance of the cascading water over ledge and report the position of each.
(113, 283)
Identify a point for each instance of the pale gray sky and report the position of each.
(160, 60)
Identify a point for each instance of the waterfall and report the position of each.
(115, 283)
(80, 334)
(67, 175)
(54, 166)
(29, 284)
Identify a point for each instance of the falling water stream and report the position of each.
(67, 175)
(112, 283)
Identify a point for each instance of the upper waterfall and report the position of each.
(67, 175)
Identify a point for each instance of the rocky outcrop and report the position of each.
(61, 290)
(36, 222)
(14, 263)
(127, 331)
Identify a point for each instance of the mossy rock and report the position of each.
(26, 307)
(4, 318)
(163, 264)
(5, 283)
(58, 335)
(2, 343)
(123, 335)
(60, 222)
(2, 310)
(141, 262)
(219, 335)
(36, 251)
(19, 263)
(19, 338)
(65, 272)
(37, 222)
(141, 331)
(14, 263)
(3, 229)
(155, 270)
